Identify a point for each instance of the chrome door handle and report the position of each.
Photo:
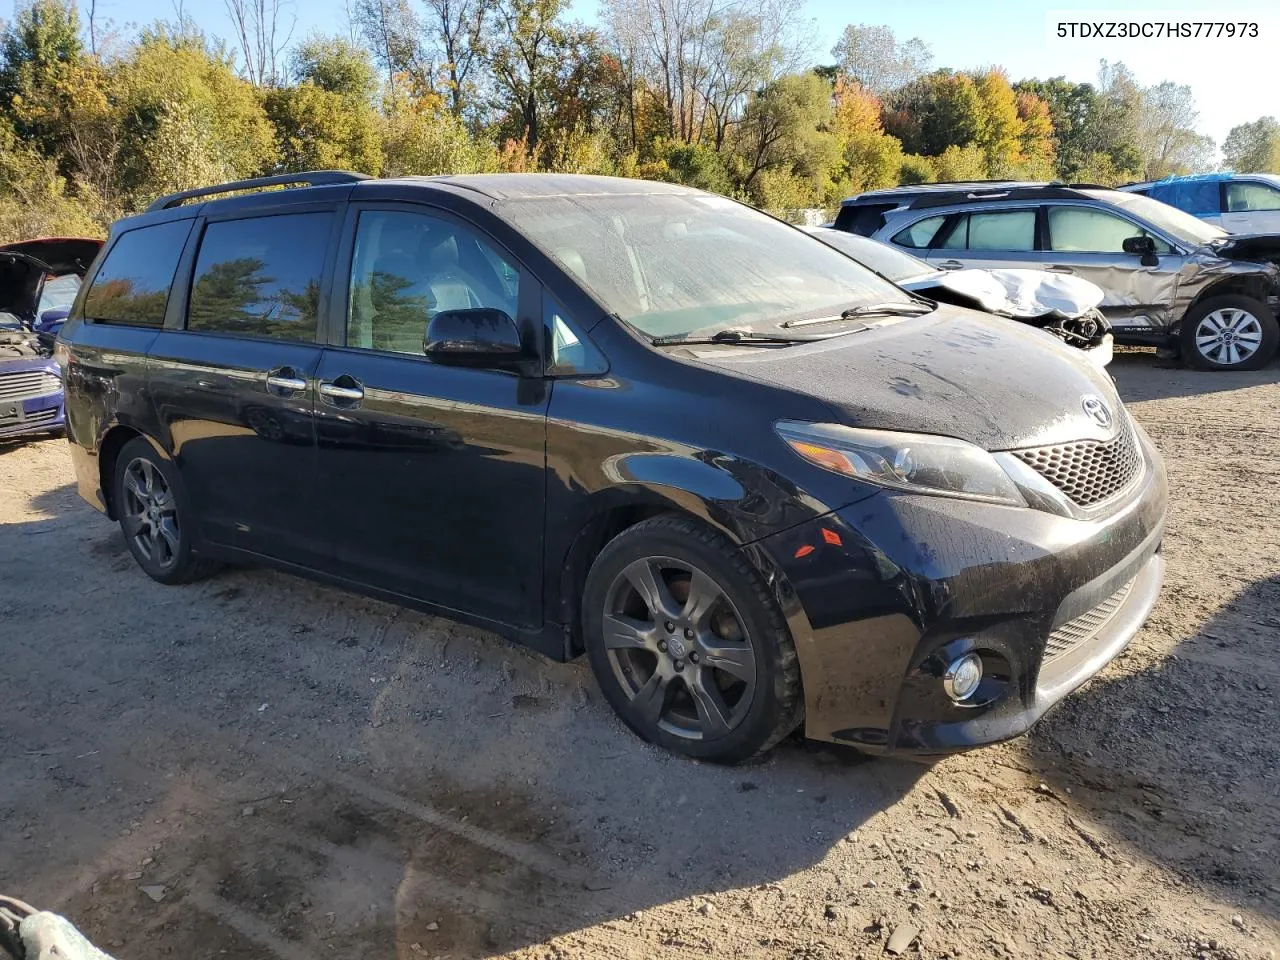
(335, 392)
(294, 384)
(951, 265)
(1057, 268)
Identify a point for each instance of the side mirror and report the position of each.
(1143, 247)
(477, 337)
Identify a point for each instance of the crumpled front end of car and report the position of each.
(901, 597)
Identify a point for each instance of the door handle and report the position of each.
(276, 381)
(1058, 268)
(346, 394)
(951, 265)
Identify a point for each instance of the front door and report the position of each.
(1089, 242)
(234, 390)
(431, 477)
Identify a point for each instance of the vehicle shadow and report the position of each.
(1140, 376)
(295, 772)
(1183, 755)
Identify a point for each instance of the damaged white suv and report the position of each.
(1170, 280)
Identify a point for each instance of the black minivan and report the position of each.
(754, 482)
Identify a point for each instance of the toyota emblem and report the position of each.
(1096, 410)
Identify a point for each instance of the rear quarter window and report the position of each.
(920, 234)
(132, 285)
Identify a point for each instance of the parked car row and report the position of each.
(759, 485)
(1170, 279)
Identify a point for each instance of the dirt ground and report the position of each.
(257, 767)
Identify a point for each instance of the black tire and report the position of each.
(710, 703)
(1253, 323)
(157, 526)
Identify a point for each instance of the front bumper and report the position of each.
(22, 416)
(882, 595)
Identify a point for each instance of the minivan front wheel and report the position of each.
(688, 645)
(151, 506)
(1229, 333)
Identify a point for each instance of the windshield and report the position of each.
(673, 264)
(1177, 224)
(880, 257)
(58, 293)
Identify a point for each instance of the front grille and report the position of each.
(28, 384)
(1087, 471)
(1086, 626)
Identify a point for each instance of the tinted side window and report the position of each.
(1011, 230)
(260, 277)
(133, 283)
(1200, 198)
(919, 235)
(1085, 230)
(1245, 195)
(407, 267)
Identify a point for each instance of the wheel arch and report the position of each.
(1238, 285)
(109, 447)
(606, 515)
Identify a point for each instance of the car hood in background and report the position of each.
(1263, 247)
(1022, 294)
(954, 372)
(59, 254)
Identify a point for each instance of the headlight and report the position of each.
(921, 463)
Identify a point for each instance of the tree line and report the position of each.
(719, 94)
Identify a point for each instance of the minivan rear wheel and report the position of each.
(151, 505)
(1229, 333)
(687, 643)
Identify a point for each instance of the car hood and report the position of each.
(954, 372)
(1263, 247)
(1021, 294)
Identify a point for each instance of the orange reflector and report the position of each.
(832, 537)
(804, 551)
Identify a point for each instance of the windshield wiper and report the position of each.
(727, 336)
(891, 308)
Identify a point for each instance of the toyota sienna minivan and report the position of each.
(759, 486)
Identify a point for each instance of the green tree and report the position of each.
(787, 128)
(1253, 147)
(526, 47)
(186, 117)
(1001, 128)
(41, 61)
(871, 159)
(1093, 139)
(936, 111)
(335, 65)
(320, 129)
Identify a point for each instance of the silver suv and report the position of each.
(1171, 280)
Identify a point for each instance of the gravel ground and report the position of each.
(258, 767)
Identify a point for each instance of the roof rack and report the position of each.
(943, 198)
(311, 178)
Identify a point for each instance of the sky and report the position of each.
(1233, 80)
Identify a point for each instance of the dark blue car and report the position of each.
(38, 281)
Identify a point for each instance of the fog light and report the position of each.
(962, 677)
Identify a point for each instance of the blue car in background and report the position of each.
(1240, 203)
(39, 280)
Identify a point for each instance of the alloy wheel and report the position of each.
(151, 513)
(1228, 336)
(679, 649)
